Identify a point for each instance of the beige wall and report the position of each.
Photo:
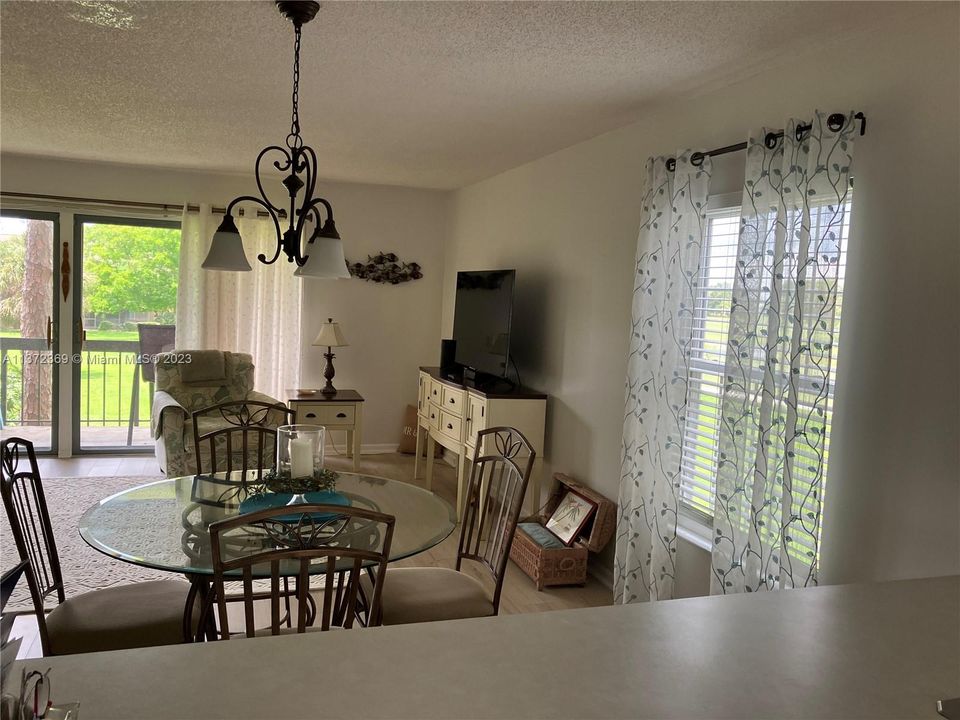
(391, 329)
(568, 223)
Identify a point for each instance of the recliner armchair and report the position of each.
(190, 380)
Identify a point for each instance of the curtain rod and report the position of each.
(125, 203)
(834, 122)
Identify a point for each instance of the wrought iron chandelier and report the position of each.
(325, 257)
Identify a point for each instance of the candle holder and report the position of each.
(300, 450)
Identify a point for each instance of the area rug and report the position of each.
(84, 568)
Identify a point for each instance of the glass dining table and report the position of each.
(164, 524)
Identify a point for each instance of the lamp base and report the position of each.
(328, 373)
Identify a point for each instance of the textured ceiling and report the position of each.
(427, 94)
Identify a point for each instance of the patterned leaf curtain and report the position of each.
(775, 405)
(673, 222)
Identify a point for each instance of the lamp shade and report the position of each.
(226, 249)
(331, 335)
(325, 258)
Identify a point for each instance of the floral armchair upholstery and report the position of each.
(190, 380)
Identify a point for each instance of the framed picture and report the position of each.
(572, 513)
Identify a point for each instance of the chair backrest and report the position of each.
(154, 339)
(502, 463)
(26, 507)
(7, 585)
(238, 439)
(199, 378)
(329, 541)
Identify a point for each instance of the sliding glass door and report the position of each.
(124, 310)
(29, 326)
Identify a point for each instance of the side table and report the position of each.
(343, 411)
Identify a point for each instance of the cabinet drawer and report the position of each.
(450, 425)
(323, 414)
(434, 416)
(452, 400)
(436, 391)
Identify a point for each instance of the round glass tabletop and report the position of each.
(163, 524)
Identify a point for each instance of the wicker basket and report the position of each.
(566, 565)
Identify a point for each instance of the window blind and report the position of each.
(711, 326)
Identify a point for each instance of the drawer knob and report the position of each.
(341, 415)
(432, 416)
(311, 415)
(453, 401)
(449, 426)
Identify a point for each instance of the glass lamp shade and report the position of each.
(226, 249)
(300, 450)
(325, 259)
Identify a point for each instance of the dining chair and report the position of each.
(502, 463)
(7, 585)
(331, 542)
(237, 436)
(125, 616)
(154, 339)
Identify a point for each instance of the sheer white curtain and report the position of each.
(255, 312)
(672, 227)
(776, 399)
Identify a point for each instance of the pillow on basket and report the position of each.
(541, 536)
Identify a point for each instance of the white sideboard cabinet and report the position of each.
(451, 414)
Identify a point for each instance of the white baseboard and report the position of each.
(365, 449)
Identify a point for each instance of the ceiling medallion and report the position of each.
(324, 258)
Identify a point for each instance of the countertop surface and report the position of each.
(887, 650)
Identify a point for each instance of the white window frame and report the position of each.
(693, 524)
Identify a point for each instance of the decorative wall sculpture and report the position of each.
(385, 268)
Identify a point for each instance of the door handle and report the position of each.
(49, 332)
(81, 333)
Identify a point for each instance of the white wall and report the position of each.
(391, 329)
(568, 223)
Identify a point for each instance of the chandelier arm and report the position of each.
(276, 164)
(273, 216)
(312, 175)
(316, 217)
(309, 166)
(326, 205)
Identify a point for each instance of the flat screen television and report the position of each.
(481, 320)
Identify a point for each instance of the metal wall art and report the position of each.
(385, 268)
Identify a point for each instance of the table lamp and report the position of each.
(330, 336)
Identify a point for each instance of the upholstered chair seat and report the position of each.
(413, 595)
(126, 616)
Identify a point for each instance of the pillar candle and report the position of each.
(301, 458)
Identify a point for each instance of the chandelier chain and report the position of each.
(294, 140)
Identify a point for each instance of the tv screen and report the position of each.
(481, 320)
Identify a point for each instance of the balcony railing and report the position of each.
(112, 392)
